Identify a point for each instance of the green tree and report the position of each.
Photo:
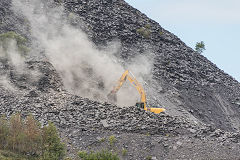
(34, 136)
(4, 131)
(17, 138)
(26, 139)
(53, 148)
(200, 47)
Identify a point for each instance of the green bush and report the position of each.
(102, 140)
(21, 42)
(124, 152)
(145, 31)
(200, 47)
(112, 140)
(53, 148)
(101, 155)
(147, 26)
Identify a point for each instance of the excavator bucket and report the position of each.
(112, 97)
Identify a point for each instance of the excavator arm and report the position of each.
(139, 88)
(120, 82)
(112, 95)
(127, 75)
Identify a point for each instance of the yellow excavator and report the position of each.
(127, 75)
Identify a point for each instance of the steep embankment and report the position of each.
(186, 81)
(191, 88)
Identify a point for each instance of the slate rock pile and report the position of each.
(203, 88)
(186, 80)
(39, 75)
(71, 112)
(204, 91)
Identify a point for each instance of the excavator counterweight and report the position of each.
(142, 104)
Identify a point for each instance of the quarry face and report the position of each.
(77, 51)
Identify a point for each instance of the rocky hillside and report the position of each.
(202, 102)
(196, 84)
(188, 80)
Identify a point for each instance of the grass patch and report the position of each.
(124, 152)
(149, 158)
(112, 140)
(145, 31)
(7, 155)
(102, 140)
(100, 155)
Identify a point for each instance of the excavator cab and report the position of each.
(140, 105)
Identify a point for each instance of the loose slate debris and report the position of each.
(194, 86)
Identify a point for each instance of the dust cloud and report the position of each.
(12, 57)
(11, 53)
(84, 69)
